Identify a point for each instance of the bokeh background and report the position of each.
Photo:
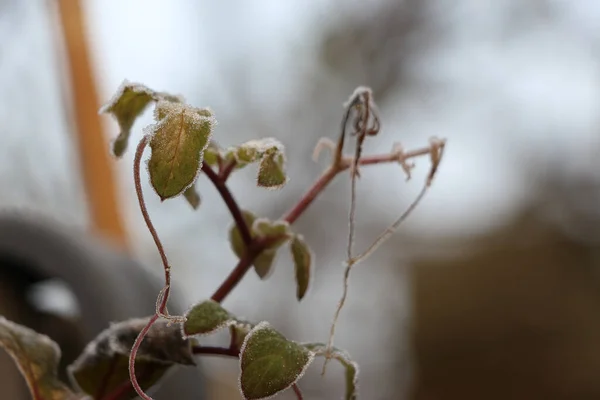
(489, 290)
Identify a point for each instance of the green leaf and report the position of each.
(269, 152)
(302, 257)
(178, 142)
(271, 173)
(205, 318)
(270, 363)
(192, 197)
(343, 357)
(102, 369)
(235, 237)
(126, 105)
(265, 228)
(250, 151)
(37, 357)
(264, 263)
(212, 154)
(238, 330)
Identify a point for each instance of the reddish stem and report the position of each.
(297, 391)
(140, 195)
(165, 295)
(134, 350)
(344, 164)
(254, 248)
(234, 209)
(243, 265)
(225, 171)
(312, 194)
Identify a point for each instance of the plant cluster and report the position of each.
(129, 357)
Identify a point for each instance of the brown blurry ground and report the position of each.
(515, 315)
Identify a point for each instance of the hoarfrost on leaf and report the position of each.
(37, 358)
(205, 318)
(271, 170)
(178, 141)
(130, 100)
(303, 259)
(235, 237)
(270, 363)
(102, 369)
(192, 197)
(269, 152)
(266, 228)
(351, 367)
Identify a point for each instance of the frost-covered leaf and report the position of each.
(192, 197)
(265, 228)
(235, 237)
(251, 151)
(206, 317)
(37, 357)
(212, 154)
(343, 357)
(126, 105)
(178, 141)
(302, 257)
(270, 363)
(238, 330)
(269, 153)
(263, 263)
(102, 369)
(271, 172)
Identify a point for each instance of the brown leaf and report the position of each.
(37, 357)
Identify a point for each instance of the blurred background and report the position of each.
(491, 290)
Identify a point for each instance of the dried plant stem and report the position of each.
(389, 230)
(435, 151)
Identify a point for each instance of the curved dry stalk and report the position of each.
(436, 151)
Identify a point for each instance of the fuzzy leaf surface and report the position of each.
(37, 357)
(270, 363)
(178, 141)
(102, 369)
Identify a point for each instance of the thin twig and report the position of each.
(362, 100)
(163, 296)
(435, 150)
(219, 183)
(140, 195)
(331, 172)
(134, 350)
(312, 194)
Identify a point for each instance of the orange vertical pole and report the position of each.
(97, 168)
